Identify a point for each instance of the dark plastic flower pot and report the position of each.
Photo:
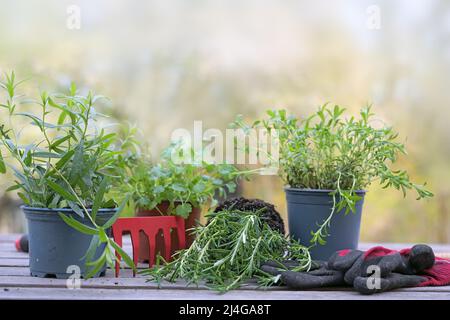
(56, 249)
(309, 208)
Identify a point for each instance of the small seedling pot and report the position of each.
(307, 209)
(56, 249)
(191, 221)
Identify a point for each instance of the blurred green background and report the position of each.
(165, 64)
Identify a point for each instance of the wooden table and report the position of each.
(16, 283)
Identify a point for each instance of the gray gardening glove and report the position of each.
(380, 269)
(352, 268)
(319, 275)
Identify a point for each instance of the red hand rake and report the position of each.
(151, 227)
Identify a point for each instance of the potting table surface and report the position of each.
(16, 283)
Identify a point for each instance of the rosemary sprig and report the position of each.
(228, 251)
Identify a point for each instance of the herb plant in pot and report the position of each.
(327, 161)
(181, 189)
(62, 177)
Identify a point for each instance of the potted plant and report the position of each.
(171, 188)
(327, 162)
(62, 177)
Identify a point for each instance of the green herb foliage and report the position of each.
(230, 250)
(183, 185)
(342, 154)
(70, 164)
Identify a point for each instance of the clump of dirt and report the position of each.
(269, 214)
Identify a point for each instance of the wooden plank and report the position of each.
(9, 237)
(125, 294)
(25, 271)
(6, 246)
(21, 276)
(15, 271)
(11, 252)
(100, 283)
(143, 284)
(14, 262)
(13, 256)
(24, 262)
(15, 282)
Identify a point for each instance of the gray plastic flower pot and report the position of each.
(56, 249)
(308, 208)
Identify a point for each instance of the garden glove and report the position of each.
(376, 270)
(418, 266)
(318, 276)
(380, 269)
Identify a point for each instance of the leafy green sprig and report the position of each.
(183, 185)
(70, 163)
(228, 251)
(328, 151)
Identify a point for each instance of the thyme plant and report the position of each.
(328, 151)
(70, 163)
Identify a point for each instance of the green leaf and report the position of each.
(183, 210)
(14, 187)
(62, 117)
(102, 235)
(61, 191)
(76, 208)
(37, 121)
(44, 154)
(59, 141)
(116, 215)
(178, 187)
(231, 187)
(2, 164)
(93, 245)
(73, 88)
(124, 255)
(55, 201)
(99, 197)
(199, 187)
(71, 221)
(64, 159)
(23, 198)
(96, 265)
(77, 163)
(109, 204)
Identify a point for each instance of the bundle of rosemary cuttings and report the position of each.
(229, 250)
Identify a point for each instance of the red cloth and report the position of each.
(437, 275)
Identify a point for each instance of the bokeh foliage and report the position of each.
(165, 65)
